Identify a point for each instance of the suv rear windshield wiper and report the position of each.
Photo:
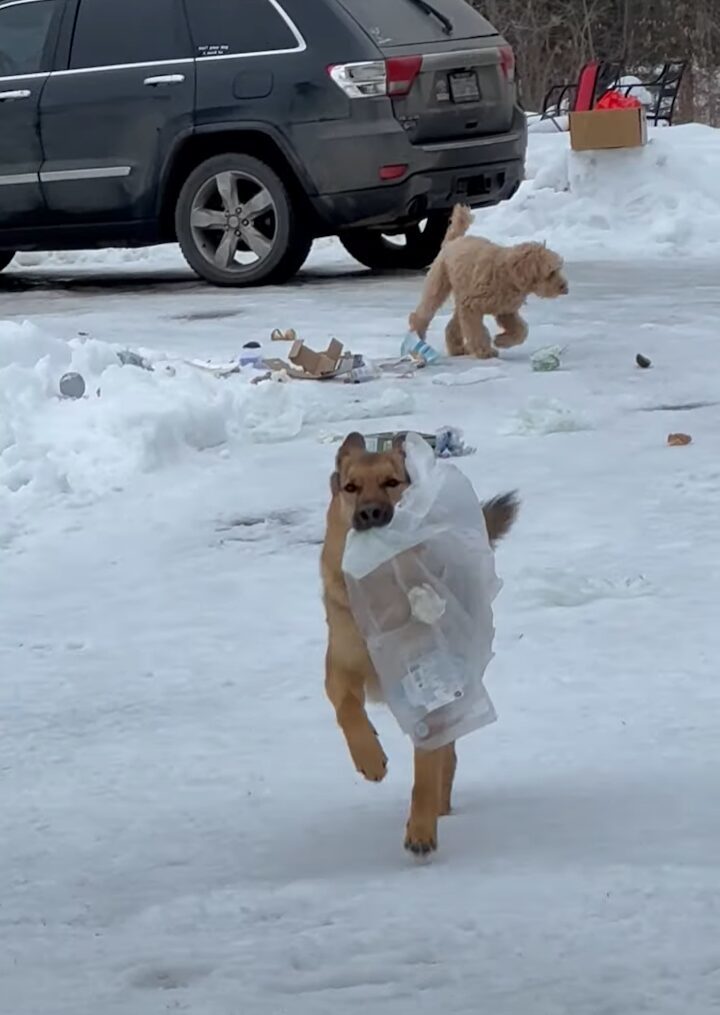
(432, 12)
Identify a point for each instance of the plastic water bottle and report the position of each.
(413, 345)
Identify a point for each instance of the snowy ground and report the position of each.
(181, 829)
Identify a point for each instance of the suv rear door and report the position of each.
(125, 93)
(27, 36)
(464, 85)
(236, 83)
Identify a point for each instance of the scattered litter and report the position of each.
(220, 370)
(380, 442)
(283, 336)
(362, 370)
(72, 385)
(547, 358)
(403, 367)
(306, 364)
(678, 440)
(449, 443)
(418, 348)
(128, 358)
(251, 354)
(473, 376)
(643, 361)
(446, 443)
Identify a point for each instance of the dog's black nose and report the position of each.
(372, 516)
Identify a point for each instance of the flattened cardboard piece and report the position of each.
(306, 364)
(600, 129)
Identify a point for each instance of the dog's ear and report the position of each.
(525, 264)
(398, 443)
(354, 442)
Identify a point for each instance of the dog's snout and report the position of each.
(564, 289)
(372, 516)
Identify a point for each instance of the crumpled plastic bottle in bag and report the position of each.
(421, 591)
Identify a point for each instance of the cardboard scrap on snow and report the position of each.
(307, 364)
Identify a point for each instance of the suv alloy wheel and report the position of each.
(237, 224)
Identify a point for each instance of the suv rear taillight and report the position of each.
(393, 77)
(401, 73)
(507, 63)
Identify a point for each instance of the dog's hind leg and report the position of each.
(421, 831)
(474, 331)
(346, 693)
(514, 330)
(454, 337)
(447, 778)
(435, 292)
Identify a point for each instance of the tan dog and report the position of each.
(365, 488)
(485, 278)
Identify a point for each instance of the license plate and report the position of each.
(464, 87)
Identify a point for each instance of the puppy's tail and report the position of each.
(460, 221)
(500, 514)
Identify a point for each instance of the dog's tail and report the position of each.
(500, 514)
(460, 221)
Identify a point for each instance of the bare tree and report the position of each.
(553, 38)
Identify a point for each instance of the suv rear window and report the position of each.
(224, 27)
(403, 22)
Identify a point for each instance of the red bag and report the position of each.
(615, 100)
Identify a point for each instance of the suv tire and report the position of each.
(6, 257)
(382, 252)
(237, 224)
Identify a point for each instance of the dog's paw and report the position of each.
(489, 353)
(369, 757)
(505, 341)
(421, 835)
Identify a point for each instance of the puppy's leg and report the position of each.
(346, 693)
(436, 291)
(421, 831)
(454, 337)
(474, 331)
(447, 778)
(514, 330)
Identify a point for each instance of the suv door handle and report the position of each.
(164, 79)
(23, 93)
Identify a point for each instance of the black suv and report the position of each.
(244, 129)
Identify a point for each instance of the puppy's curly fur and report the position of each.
(485, 278)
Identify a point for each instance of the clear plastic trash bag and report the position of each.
(421, 592)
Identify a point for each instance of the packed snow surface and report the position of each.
(181, 829)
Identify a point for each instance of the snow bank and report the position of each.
(132, 420)
(646, 202)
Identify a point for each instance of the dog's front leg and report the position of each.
(421, 831)
(347, 695)
(476, 334)
(514, 330)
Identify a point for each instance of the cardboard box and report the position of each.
(306, 364)
(600, 129)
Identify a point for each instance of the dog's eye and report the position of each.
(350, 488)
(390, 484)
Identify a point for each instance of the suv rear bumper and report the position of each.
(419, 194)
(479, 172)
